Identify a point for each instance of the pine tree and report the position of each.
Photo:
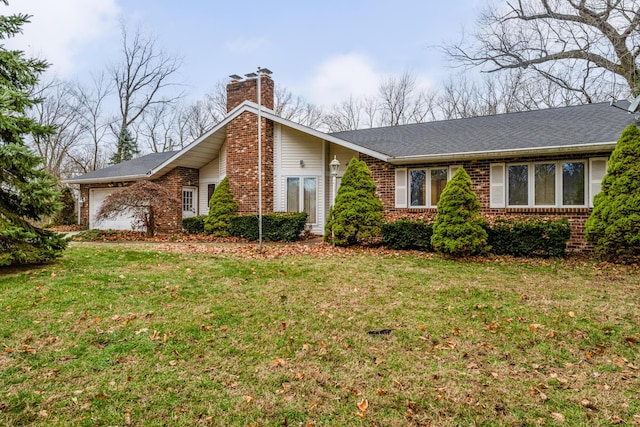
(27, 192)
(614, 225)
(222, 208)
(126, 148)
(458, 230)
(357, 214)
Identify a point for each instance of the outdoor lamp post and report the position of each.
(333, 167)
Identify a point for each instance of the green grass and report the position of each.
(118, 334)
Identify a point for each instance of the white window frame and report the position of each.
(301, 194)
(559, 184)
(427, 184)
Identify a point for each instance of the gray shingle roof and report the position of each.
(135, 167)
(556, 127)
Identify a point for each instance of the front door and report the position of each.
(189, 202)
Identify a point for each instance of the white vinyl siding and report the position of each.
(297, 147)
(209, 174)
(223, 161)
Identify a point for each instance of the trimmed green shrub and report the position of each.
(407, 234)
(530, 237)
(459, 229)
(286, 227)
(194, 224)
(222, 208)
(357, 214)
(614, 225)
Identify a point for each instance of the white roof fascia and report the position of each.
(232, 115)
(516, 152)
(103, 180)
(253, 107)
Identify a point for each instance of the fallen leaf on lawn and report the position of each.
(155, 336)
(121, 276)
(43, 413)
(141, 331)
(557, 417)
(571, 314)
(381, 392)
(359, 414)
(398, 384)
(173, 362)
(535, 326)
(422, 327)
(127, 417)
(588, 404)
(363, 405)
(552, 334)
(278, 362)
(313, 405)
(248, 399)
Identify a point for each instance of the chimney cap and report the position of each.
(251, 75)
(235, 77)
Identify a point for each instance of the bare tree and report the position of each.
(142, 78)
(296, 108)
(58, 110)
(91, 101)
(344, 116)
(579, 45)
(403, 102)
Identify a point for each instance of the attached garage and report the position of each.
(96, 198)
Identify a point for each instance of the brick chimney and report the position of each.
(242, 145)
(247, 90)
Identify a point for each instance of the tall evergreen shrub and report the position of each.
(614, 225)
(459, 228)
(357, 214)
(222, 208)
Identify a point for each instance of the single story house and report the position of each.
(547, 163)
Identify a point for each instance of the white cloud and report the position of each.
(60, 29)
(244, 45)
(341, 76)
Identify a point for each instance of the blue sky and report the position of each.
(324, 51)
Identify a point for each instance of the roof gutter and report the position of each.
(105, 180)
(499, 154)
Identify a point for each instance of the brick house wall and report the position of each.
(242, 146)
(169, 220)
(384, 176)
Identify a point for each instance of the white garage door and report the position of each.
(96, 198)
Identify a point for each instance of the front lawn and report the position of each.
(140, 334)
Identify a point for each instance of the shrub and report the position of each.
(459, 229)
(194, 224)
(530, 238)
(357, 214)
(222, 208)
(287, 227)
(407, 234)
(614, 225)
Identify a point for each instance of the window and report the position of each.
(518, 185)
(210, 190)
(426, 186)
(302, 196)
(546, 184)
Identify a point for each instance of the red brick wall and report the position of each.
(242, 147)
(247, 90)
(169, 221)
(384, 177)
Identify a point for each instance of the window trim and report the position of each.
(559, 183)
(427, 184)
(301, 179)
